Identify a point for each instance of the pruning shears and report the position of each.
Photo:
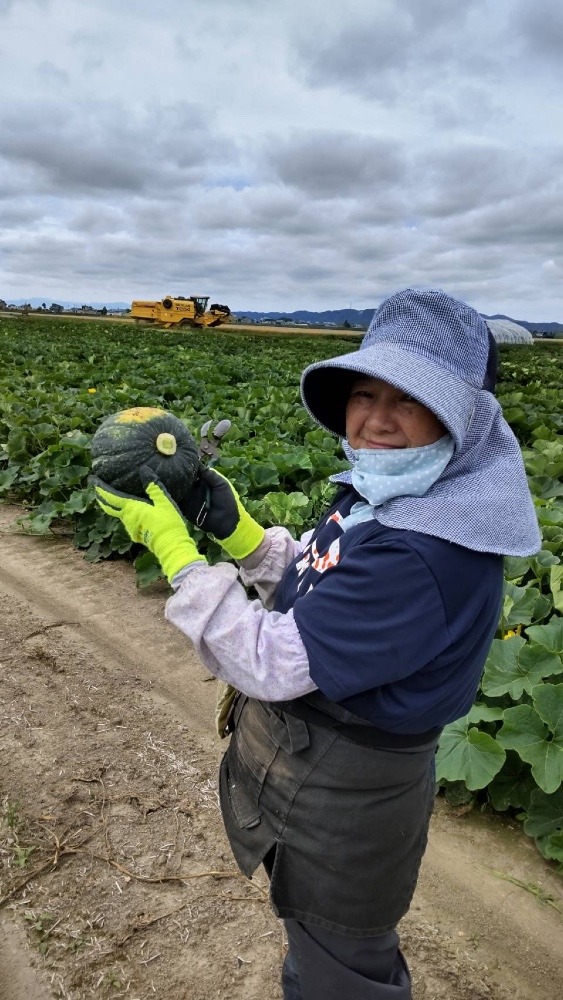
(209, 449)
(210, 439)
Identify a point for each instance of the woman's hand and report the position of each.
(215, 506)
(156, 522)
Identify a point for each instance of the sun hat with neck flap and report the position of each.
(440, 351)
(425, 343)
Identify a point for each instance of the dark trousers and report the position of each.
(323, 965)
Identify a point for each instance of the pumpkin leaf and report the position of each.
(465, 754)
(550, 635)
(542, 563)
(504, 673)
(516, 567)
(525, 730)
(548, 702)
(545, 813)
(485, 713)
(285, 508)
(556, 586)
(519, 605)
(147, 569)
(512, 787)
(552, 847)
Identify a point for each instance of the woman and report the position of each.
(370, 635)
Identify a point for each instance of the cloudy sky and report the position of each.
(283, 154)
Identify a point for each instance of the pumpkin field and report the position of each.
(59, 378)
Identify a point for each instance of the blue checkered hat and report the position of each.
(425, 343)
(439, 351)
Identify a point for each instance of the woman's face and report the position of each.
(380, 416)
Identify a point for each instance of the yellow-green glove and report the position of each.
(215, 506)
(156, 523)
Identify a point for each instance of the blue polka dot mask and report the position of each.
(379, 474)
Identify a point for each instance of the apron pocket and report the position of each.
(252, 748)
(233, 794)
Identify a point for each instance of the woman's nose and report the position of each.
(380, 416)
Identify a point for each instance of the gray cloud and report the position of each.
(16, 182)
(535, 221)
(18, 213)
(97, 220)
(386, 48)
(325, 164)
(467, 175)
(541, 27)
(268, 208)
(106, 147)
(7, 5)
(358, 56)
(472, 106)
(49, 73)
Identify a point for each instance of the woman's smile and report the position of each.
(378, 415)
(378, 444)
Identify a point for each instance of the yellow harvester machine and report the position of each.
(181, 311)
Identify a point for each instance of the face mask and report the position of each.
(381, 474)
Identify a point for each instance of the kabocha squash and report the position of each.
(145, 436)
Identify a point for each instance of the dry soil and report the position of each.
(117, 880)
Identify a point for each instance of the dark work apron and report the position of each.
(348, 822)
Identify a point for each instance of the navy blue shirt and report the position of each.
(396, 624)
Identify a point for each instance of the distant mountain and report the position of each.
(336, 317)
(362, 317)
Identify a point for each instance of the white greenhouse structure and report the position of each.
(505, 331)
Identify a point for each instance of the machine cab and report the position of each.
(200, 303)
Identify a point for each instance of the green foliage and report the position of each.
(514, 666)
(520, 704)
(147, 569)
(41, 924)
(544, 821)
(11, 815)
(536, 733)
(469, 755)
(60, 378)
(13, 821)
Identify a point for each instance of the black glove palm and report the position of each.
(215, 506)
(212, 505)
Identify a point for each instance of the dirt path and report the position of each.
(118, 875)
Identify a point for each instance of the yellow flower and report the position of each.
(511, 632)
(91, 390)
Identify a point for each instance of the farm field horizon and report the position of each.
(243, 328)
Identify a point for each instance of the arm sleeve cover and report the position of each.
(264, 568)
(259, 652)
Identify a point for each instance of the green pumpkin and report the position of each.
(145, 436)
